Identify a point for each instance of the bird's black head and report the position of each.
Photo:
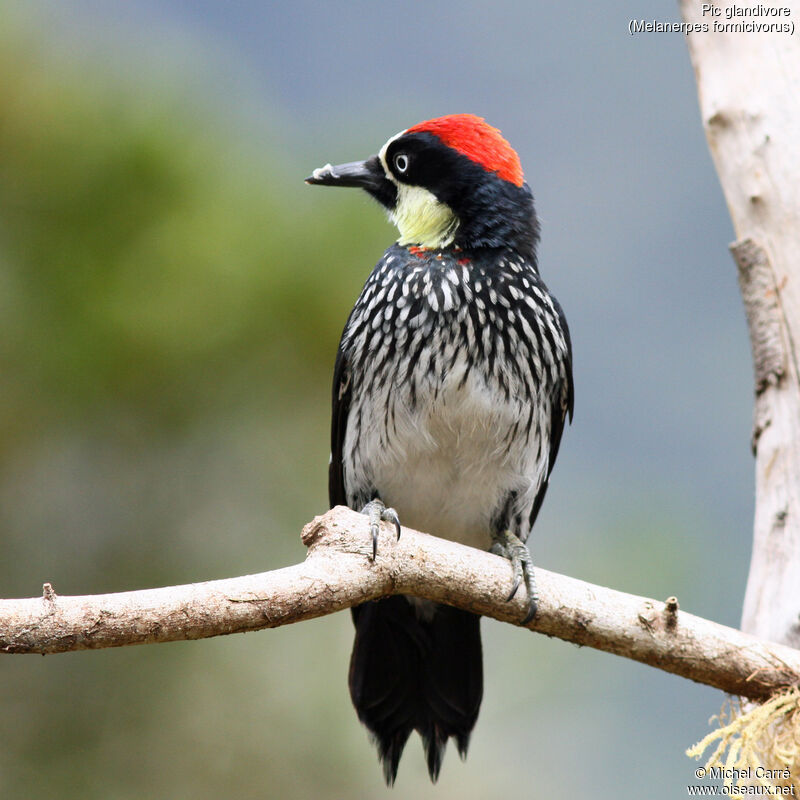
(450, 181)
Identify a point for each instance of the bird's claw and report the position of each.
(514, 587)
(509, 546)
(377, 512)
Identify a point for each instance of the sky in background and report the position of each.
(652, 492)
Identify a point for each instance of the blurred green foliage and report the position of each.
(168, 321)
(149, 257)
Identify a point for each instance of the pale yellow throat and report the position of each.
(423, 219)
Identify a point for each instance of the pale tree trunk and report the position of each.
(749, 90)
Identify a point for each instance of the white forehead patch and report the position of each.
(382, 154)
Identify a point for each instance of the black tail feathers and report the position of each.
(416, 670)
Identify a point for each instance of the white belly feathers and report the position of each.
(448, 462)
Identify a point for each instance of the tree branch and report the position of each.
(338, 573)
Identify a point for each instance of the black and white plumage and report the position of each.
(449, 369)
(451, 388)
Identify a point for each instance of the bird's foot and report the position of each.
(377, 511)
(509, 546)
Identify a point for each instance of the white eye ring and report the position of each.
(401, 162)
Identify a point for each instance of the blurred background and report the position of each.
(171, 298)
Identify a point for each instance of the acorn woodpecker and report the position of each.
(451, 387)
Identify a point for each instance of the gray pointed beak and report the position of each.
(356, 173)
(367, 175)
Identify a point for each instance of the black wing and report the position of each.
(341, 408)
(559, 415)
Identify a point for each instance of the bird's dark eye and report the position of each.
(401, 162)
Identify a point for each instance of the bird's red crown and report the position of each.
(478, 141)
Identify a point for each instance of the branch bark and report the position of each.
(748, 89)
(338, 573)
